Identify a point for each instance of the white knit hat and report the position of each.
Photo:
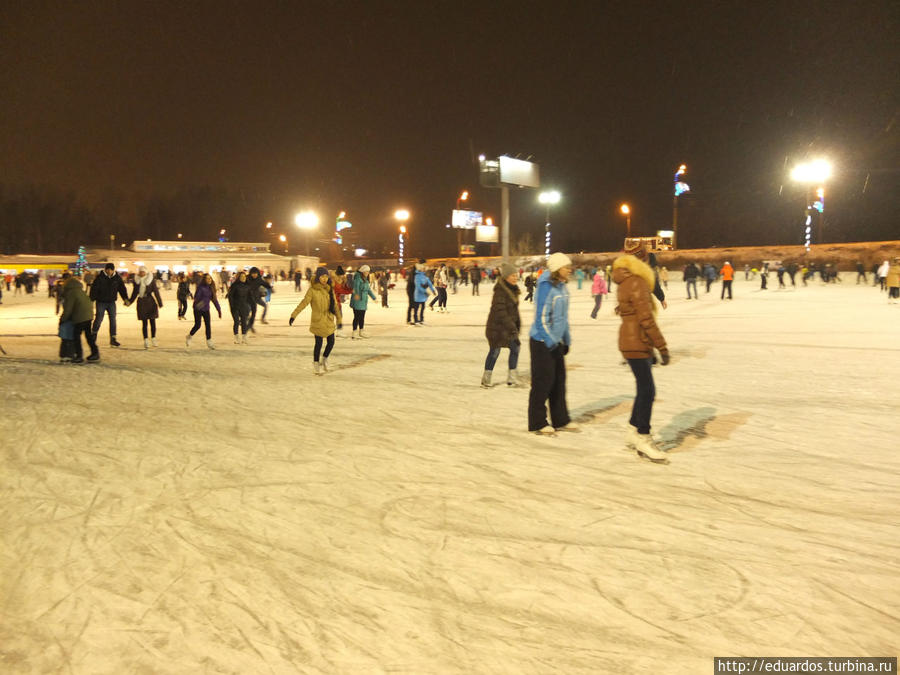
(364, 269)
(557, 261)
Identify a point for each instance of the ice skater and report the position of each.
(325, 316)
(104, 290)
(441, 281)
(638, 335)
(503, 324)
(423, 288)
(182, 293)
(598, 290)
(359, 301)
(549, 342)
(77, 310)
(892, 281)
(239, 303)
(149, 301)
(727, 273)
(204, 295)
(256, 282)
(691, 272)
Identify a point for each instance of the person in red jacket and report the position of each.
(727, 273)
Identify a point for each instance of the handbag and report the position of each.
(67, 330)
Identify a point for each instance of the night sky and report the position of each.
(370, 106)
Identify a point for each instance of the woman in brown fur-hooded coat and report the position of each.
(638, 336)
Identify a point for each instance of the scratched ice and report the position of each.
(176, 511)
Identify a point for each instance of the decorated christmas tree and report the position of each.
(81, 264)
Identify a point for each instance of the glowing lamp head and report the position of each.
(812, 172)
(403, 229)
(306, 220)
(342, 215)
(401, 214)
(268, 226)
(489, 221)
(464, 196)
(625, 209)
(551, 197)
(282, 238)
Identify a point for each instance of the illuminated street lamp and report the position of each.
(813, 175)
(626, 210)
(307, 221)
(680, 188)
(283, 240)
(402, 215)
(548, 199)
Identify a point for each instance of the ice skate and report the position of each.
(209, 343)
(355, 335)
(244, 339)
(113, 342)
(95, 356)
(571, 427)
(512, 379)
(646, 447)
(545, 431)
(187, 340)
(146, 343)
(486, 379)
(237, 339)
(363, 334)
(154, 342)
(324, 365)
(317, 368)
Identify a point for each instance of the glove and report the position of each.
(291, 321)
(664, 357)
(564, 348)
(220, 315)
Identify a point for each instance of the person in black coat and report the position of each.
(255, 282)
(691, 272)
(146, 293)
(182, 294)
(239, 301)
(104, 290)
(411, 296)
(503, 324)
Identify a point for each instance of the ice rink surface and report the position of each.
(187, 511)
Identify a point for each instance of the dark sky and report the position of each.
(368, 106)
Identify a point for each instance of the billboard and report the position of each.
(487, 234)
(466, 220)
(519, 172)
(467, 249)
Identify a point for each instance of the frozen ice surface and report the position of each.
(182, 511)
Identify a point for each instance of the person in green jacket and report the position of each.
(78, 309)
(326, 314)
(359, 301)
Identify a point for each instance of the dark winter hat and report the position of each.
(636, 249)
(320, 271)
(109, 266)
(506, 269)
(254, 270)
(339, 270)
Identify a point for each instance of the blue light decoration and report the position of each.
(819, 204)
(680, 186)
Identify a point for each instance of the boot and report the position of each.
(644, 445)
(95, 356)
(355, 335)
(237, 339)
(209, 343)
(244, 339)
(324, 365)
(147, 343)
(363, 334)
(187, 340)
(317, 368)
(512, 379)
(154, 342)
(113, 342)
(486, 379)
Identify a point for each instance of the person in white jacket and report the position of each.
(441, 281)
(882, 274)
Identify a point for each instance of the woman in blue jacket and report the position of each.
(359, 301)
(423, 283)
(550, 341)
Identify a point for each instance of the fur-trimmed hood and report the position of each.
(628, 264)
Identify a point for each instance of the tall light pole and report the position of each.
(680, 188)
(401, 216)
(307, 221)
(463, 196)
(813, 174)
(548, 199)
(283, 240)
(626, 210)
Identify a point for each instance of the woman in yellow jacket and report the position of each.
(326, 314)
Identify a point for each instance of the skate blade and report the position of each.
(664, 460)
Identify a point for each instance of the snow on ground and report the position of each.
(175, 511)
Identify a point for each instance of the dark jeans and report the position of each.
(102, 308)
(646, 392)
(252, 315)
(182, 306)
(84, 327)
(491, 359)
(598, 299)
(329, 345)
(152, 323)
(440, 298)
(548, 382)
(726, 286)
(411, 309)
(265, 305)
(420, 312)
(475, 288)
(691, 283)
(241, 316)
(359, 319)
(205, 316)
